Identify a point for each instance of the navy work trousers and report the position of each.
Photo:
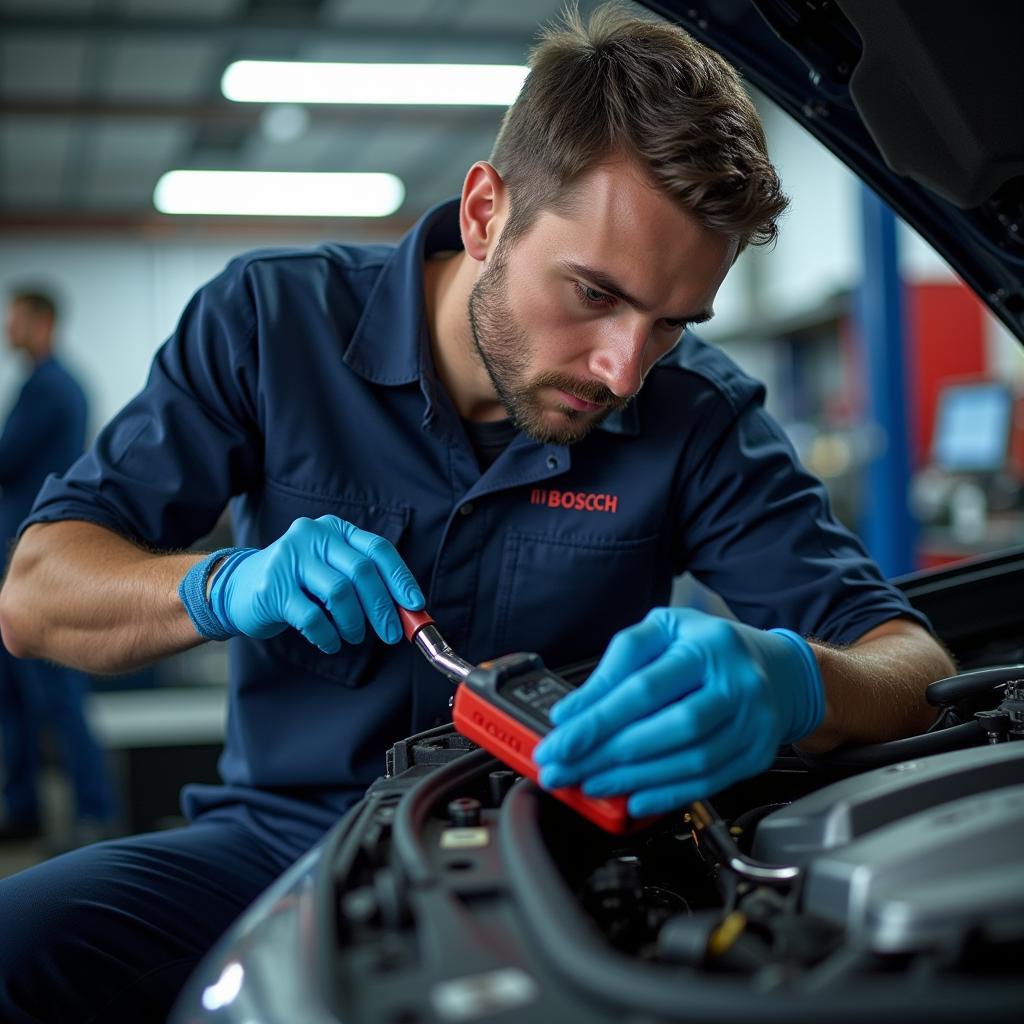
(33, 695)
(110, 932)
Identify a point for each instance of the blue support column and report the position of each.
(887, 526)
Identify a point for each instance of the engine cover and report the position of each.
(914, 856)
(929, 881)
(834, 816)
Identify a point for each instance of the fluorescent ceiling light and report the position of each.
(271, 81)
(279, 193)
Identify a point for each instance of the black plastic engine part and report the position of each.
(954, 689)
(499, 783)
(464, 812)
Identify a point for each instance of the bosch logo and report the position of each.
(495, 730)
(578, 501)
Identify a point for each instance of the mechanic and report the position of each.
(44, 433)
(465, 412)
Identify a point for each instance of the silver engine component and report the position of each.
(913, 856)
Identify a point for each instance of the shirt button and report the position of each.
(467, 509)
(552, 462)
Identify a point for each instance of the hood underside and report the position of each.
(924, 101)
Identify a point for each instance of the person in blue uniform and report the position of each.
(505, 417)
(44, 433)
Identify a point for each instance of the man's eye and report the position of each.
(591, 296)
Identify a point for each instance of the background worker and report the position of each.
(379, 419)
(44, 433)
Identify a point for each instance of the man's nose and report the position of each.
(619, 361)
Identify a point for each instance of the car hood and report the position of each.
(923, 102)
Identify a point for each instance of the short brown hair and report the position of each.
(647, 89)
(40, 303)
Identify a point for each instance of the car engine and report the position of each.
(877, 883)
(461, 892)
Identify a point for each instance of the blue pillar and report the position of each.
(887, 527)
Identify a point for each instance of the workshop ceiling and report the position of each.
(98, 98)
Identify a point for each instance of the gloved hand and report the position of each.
(681, 706)
(325, 577)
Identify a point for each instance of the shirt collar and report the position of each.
(386, 346)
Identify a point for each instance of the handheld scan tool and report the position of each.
(503, 706)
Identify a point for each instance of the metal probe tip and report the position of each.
(420, 630)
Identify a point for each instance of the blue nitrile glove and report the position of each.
(682, 705)
(325, 577)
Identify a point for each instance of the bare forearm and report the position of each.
(874, 689)
(81, 595)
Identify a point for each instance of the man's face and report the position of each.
(569, 319)
(27, 329)
(19, 325)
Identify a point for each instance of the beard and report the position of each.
(504, 350)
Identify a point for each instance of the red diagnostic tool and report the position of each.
(503, 705)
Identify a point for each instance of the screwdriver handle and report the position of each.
(413, 622)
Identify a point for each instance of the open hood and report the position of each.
(924, 101)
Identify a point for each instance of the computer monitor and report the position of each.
(972, 427)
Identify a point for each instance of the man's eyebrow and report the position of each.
(606, 283)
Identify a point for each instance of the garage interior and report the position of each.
(100, 98)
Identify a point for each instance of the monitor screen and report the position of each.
(972, 428)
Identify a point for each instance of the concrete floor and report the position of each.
(56, 801)
(120, 719)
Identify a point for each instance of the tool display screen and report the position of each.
(538, 694)
(505, 706)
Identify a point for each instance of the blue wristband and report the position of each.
(192, 591)
(814, 710)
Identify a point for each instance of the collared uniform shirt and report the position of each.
(44, 433)
(300, 383)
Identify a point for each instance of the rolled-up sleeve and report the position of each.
(163, 469)
(758, 529)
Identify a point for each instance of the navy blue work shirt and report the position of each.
(300, 383)
(44, 433)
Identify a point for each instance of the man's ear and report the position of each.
(483, 210)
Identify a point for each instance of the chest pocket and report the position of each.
(567, 598)
(352, 666)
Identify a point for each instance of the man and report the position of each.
(467, 412)
(44, 433)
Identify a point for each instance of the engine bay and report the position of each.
(456, 891)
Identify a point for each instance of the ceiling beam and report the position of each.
(155, 225)
(267, 32)
(249, 113)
